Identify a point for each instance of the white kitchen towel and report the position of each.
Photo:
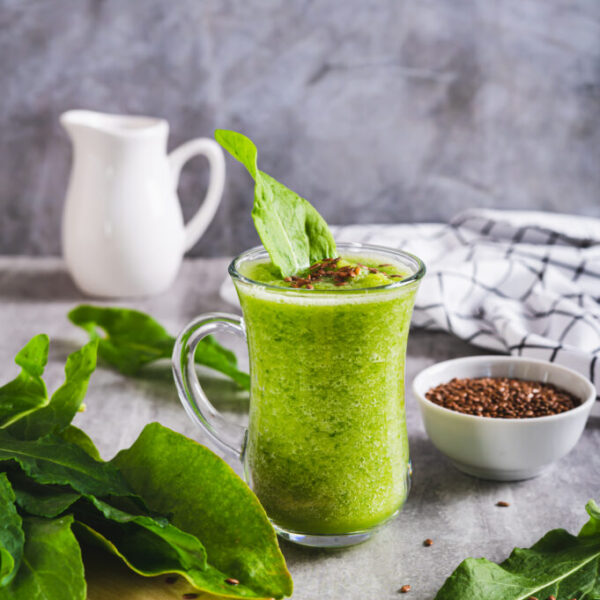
(523, 283)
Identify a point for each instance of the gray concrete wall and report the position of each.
(375, 110)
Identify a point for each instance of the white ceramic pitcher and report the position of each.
(123, 231)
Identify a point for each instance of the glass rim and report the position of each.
(260, 251)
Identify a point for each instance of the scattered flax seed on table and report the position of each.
(428, 542)
(502, 503)
(404, 589)
(502, 398)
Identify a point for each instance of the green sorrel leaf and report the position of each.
(27, 392)
(175, 475)
(82, 439)
(65, 402)
(129, 340)
(46, 502)
(152, 546)
(148, 544)
(40, 500)
(592, 527)
(51, 568)
(12, 538)
(53, 460)
(160, 541)
(559, 564)
(145, 559)
(292, 231)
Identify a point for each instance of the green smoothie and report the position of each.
(327, 449)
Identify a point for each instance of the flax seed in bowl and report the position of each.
(502, 397)
(500, 417)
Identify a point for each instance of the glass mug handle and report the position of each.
(230, 437)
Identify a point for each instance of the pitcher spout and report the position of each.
(121, 126)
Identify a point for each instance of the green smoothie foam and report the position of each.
(364, 273)
(327, 451)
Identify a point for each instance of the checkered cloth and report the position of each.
(523, 283)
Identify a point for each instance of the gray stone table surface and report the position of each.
(458, 512)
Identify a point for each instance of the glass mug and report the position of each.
(326, 449)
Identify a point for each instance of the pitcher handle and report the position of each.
(205, 214)
(229, 436)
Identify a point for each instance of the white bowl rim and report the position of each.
(586, 405)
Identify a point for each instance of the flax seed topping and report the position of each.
(345, 272)
(338, 272)
(323, 270)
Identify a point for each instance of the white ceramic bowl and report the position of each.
(503, 449)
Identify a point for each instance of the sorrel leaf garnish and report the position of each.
(52, 479)
(52, 568)
(228, 519)
(292, 231)
(559, 564)
(129, 339)
(12, 538)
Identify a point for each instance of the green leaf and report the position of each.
(592, 527)
(133, 339)
(39, 500)
(27, 392)
(292, 231)
(80, 438)
(203, 496)
(140, 556)
(161, 544)
(46, 502)
(149, 545)
(52, 568)
(559, 564)
(52, 460)
(129, 340)
(65, 402)
(152, 546)
(12, 538)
